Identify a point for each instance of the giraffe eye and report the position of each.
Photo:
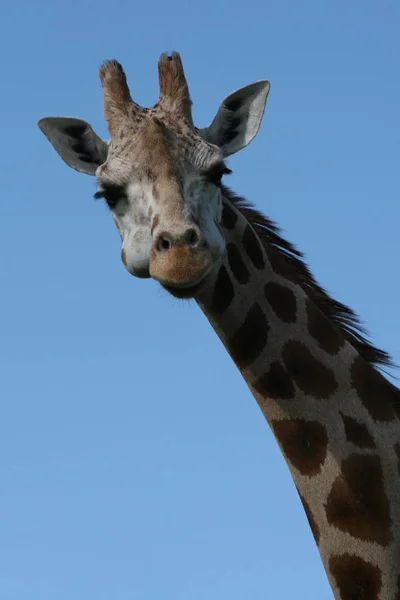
(215, 174)
(111, 197)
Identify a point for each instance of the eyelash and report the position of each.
(215, 175)
(111, 197)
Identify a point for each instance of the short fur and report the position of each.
(174, 90)
(117, 98)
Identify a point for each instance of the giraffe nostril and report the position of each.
(192, 237)
(164, 243)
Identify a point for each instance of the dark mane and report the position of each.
(289, 261)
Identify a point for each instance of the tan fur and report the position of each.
(118, 104)
(174, 91)
(180, 266)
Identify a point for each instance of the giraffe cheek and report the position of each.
(135, 252)
(138, 267)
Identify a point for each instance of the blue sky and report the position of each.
(135, 465)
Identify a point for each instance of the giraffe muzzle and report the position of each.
(180, 260)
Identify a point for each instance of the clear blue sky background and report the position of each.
(134, 464)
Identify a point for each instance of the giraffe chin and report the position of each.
(184, 293)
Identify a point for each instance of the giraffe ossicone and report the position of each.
(303, 354)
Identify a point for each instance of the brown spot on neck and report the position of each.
(279, 264)
(229, 217)
(237, 264)
(379, 396)
(252, 247)
(310, 375)
(357, 502)
(251, 337)
(322, 330)
(282, 301)
(356, 578)
(304, 443)
(357, 433)
(223, 293)
(275, 384)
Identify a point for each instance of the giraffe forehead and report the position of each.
(141, 153)
(158, 146)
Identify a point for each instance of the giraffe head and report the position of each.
(158, 173)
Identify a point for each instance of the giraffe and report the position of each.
(303, 355)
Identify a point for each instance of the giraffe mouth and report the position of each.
(184, 293)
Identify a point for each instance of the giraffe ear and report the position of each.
(76, 142)
(238, 118)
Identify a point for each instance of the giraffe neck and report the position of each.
(333, 415)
